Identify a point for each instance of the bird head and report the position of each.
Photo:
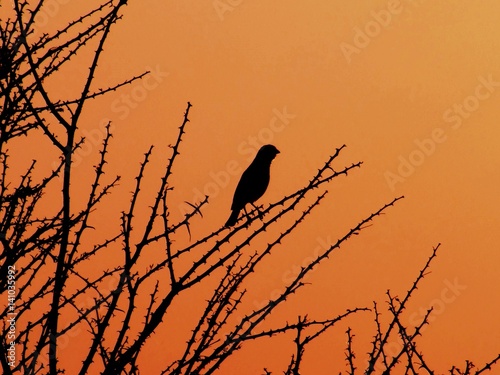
(267, 153)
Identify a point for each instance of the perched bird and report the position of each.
(253, 182)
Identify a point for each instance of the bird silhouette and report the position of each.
(253, 183)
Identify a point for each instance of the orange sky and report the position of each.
(412, 88)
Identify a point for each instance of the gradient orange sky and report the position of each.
(411, 87)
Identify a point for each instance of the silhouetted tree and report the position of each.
(46, 254)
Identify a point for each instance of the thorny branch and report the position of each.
(115, 293)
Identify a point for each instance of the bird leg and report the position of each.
(259, 212)
(247, 215)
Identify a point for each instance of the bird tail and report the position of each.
(233, 218)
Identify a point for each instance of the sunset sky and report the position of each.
(412, 87)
